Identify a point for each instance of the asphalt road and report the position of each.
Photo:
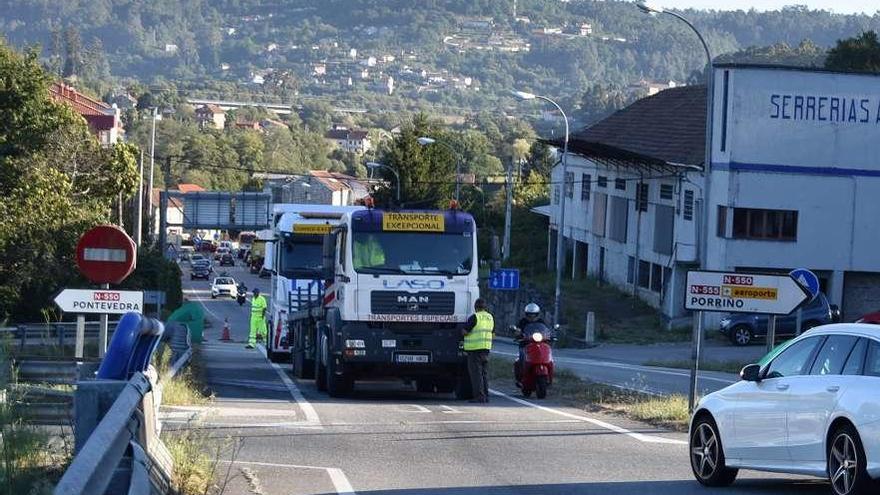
(387, 439)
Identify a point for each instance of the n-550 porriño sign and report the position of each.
(743, 293)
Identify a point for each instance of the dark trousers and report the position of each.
(478, 367)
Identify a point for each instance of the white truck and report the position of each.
(294, 258)
(399, 287)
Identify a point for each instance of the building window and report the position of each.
(721, 230)
(630, 270)
(569, 184)
(585, 187)
(688, 212)
(666, 191)
(620, 184)
(656, 277)
(556, 195)
(602, 181)
(762, 224)
(642, 197)
(644, 274)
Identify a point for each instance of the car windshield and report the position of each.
(301, 253)
(224, 281)
(411, 252)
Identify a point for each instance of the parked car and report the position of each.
(224, 286)
(200, 270)
(226, 259)
(744, 328)
(808, 409)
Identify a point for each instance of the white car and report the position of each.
(810, 407)
(224, 286)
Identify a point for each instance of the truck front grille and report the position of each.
(422, 303)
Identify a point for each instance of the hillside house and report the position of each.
(351, 140)
(211, 115)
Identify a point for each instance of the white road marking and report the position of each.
(307, 409)
(450, 410)
(415, 408)
(337, 476)
(275, 387)
(601, 424)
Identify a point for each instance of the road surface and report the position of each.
(387, 439)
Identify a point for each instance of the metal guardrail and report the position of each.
(58, 334)
(118, 444)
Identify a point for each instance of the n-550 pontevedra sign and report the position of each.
(100, 301)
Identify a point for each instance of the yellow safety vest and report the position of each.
(480, 337)
(258, 304)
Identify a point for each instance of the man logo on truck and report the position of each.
(413, 299)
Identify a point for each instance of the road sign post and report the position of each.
(738, 293)
(80, 335)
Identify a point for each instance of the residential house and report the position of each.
(211, 115)
(103, 120)
(352, 140)
(585, 29)
(316, 187)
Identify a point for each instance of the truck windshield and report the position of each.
(408, 252)
(301, 253)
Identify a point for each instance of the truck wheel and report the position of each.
(337, 385)
(320, 372)
(445, 386)
(541, 387)
(463, 389)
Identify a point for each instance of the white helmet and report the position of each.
(532, 309)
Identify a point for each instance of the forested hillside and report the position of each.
(394, 53)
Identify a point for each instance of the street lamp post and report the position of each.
(560, 232)
(651, 9)
(426, 141)
(375, 165)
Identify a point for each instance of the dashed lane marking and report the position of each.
(413, 408)
(593, 421)
(307, 409)
(450, 410)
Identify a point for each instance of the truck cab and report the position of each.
(403, 284)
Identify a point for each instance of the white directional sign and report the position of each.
(100, 301)
(743, 293)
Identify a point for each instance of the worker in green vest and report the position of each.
(478, 335)
(368, 252)
(258, 319)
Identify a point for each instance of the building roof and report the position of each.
(668, 128)
(188, 188)
(336, 134)
(346, 134)
(210, 108)
(99, 115)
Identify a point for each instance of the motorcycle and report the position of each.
(535, 374)
(241, 297)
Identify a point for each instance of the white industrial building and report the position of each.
(793, 183)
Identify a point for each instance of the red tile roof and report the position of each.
(188, 188)
(99, 115)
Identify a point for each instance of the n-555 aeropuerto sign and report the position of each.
(743, 293)
(100, 301)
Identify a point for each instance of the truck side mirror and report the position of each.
(328, 259)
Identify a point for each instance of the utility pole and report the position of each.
(505, 249)
(163, 207)
(139, 222)
(150, 180)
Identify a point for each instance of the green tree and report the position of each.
(859, 54)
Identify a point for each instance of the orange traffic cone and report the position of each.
(225, 337)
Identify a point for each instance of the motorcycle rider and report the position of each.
(532, 314)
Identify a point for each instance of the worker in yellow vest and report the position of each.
(478, 335)
(258, 319)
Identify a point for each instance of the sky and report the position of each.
(839, 6)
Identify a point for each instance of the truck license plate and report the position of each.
(412, 358)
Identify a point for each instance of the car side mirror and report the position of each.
(751, 373)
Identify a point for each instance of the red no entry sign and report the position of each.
(106, 254)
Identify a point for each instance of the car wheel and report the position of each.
(741, 335)
(213, 296)
(846, 463)
(707, 454)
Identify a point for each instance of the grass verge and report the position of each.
(196, 458)
(188, 387)
(664, 411)
(723, 366)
